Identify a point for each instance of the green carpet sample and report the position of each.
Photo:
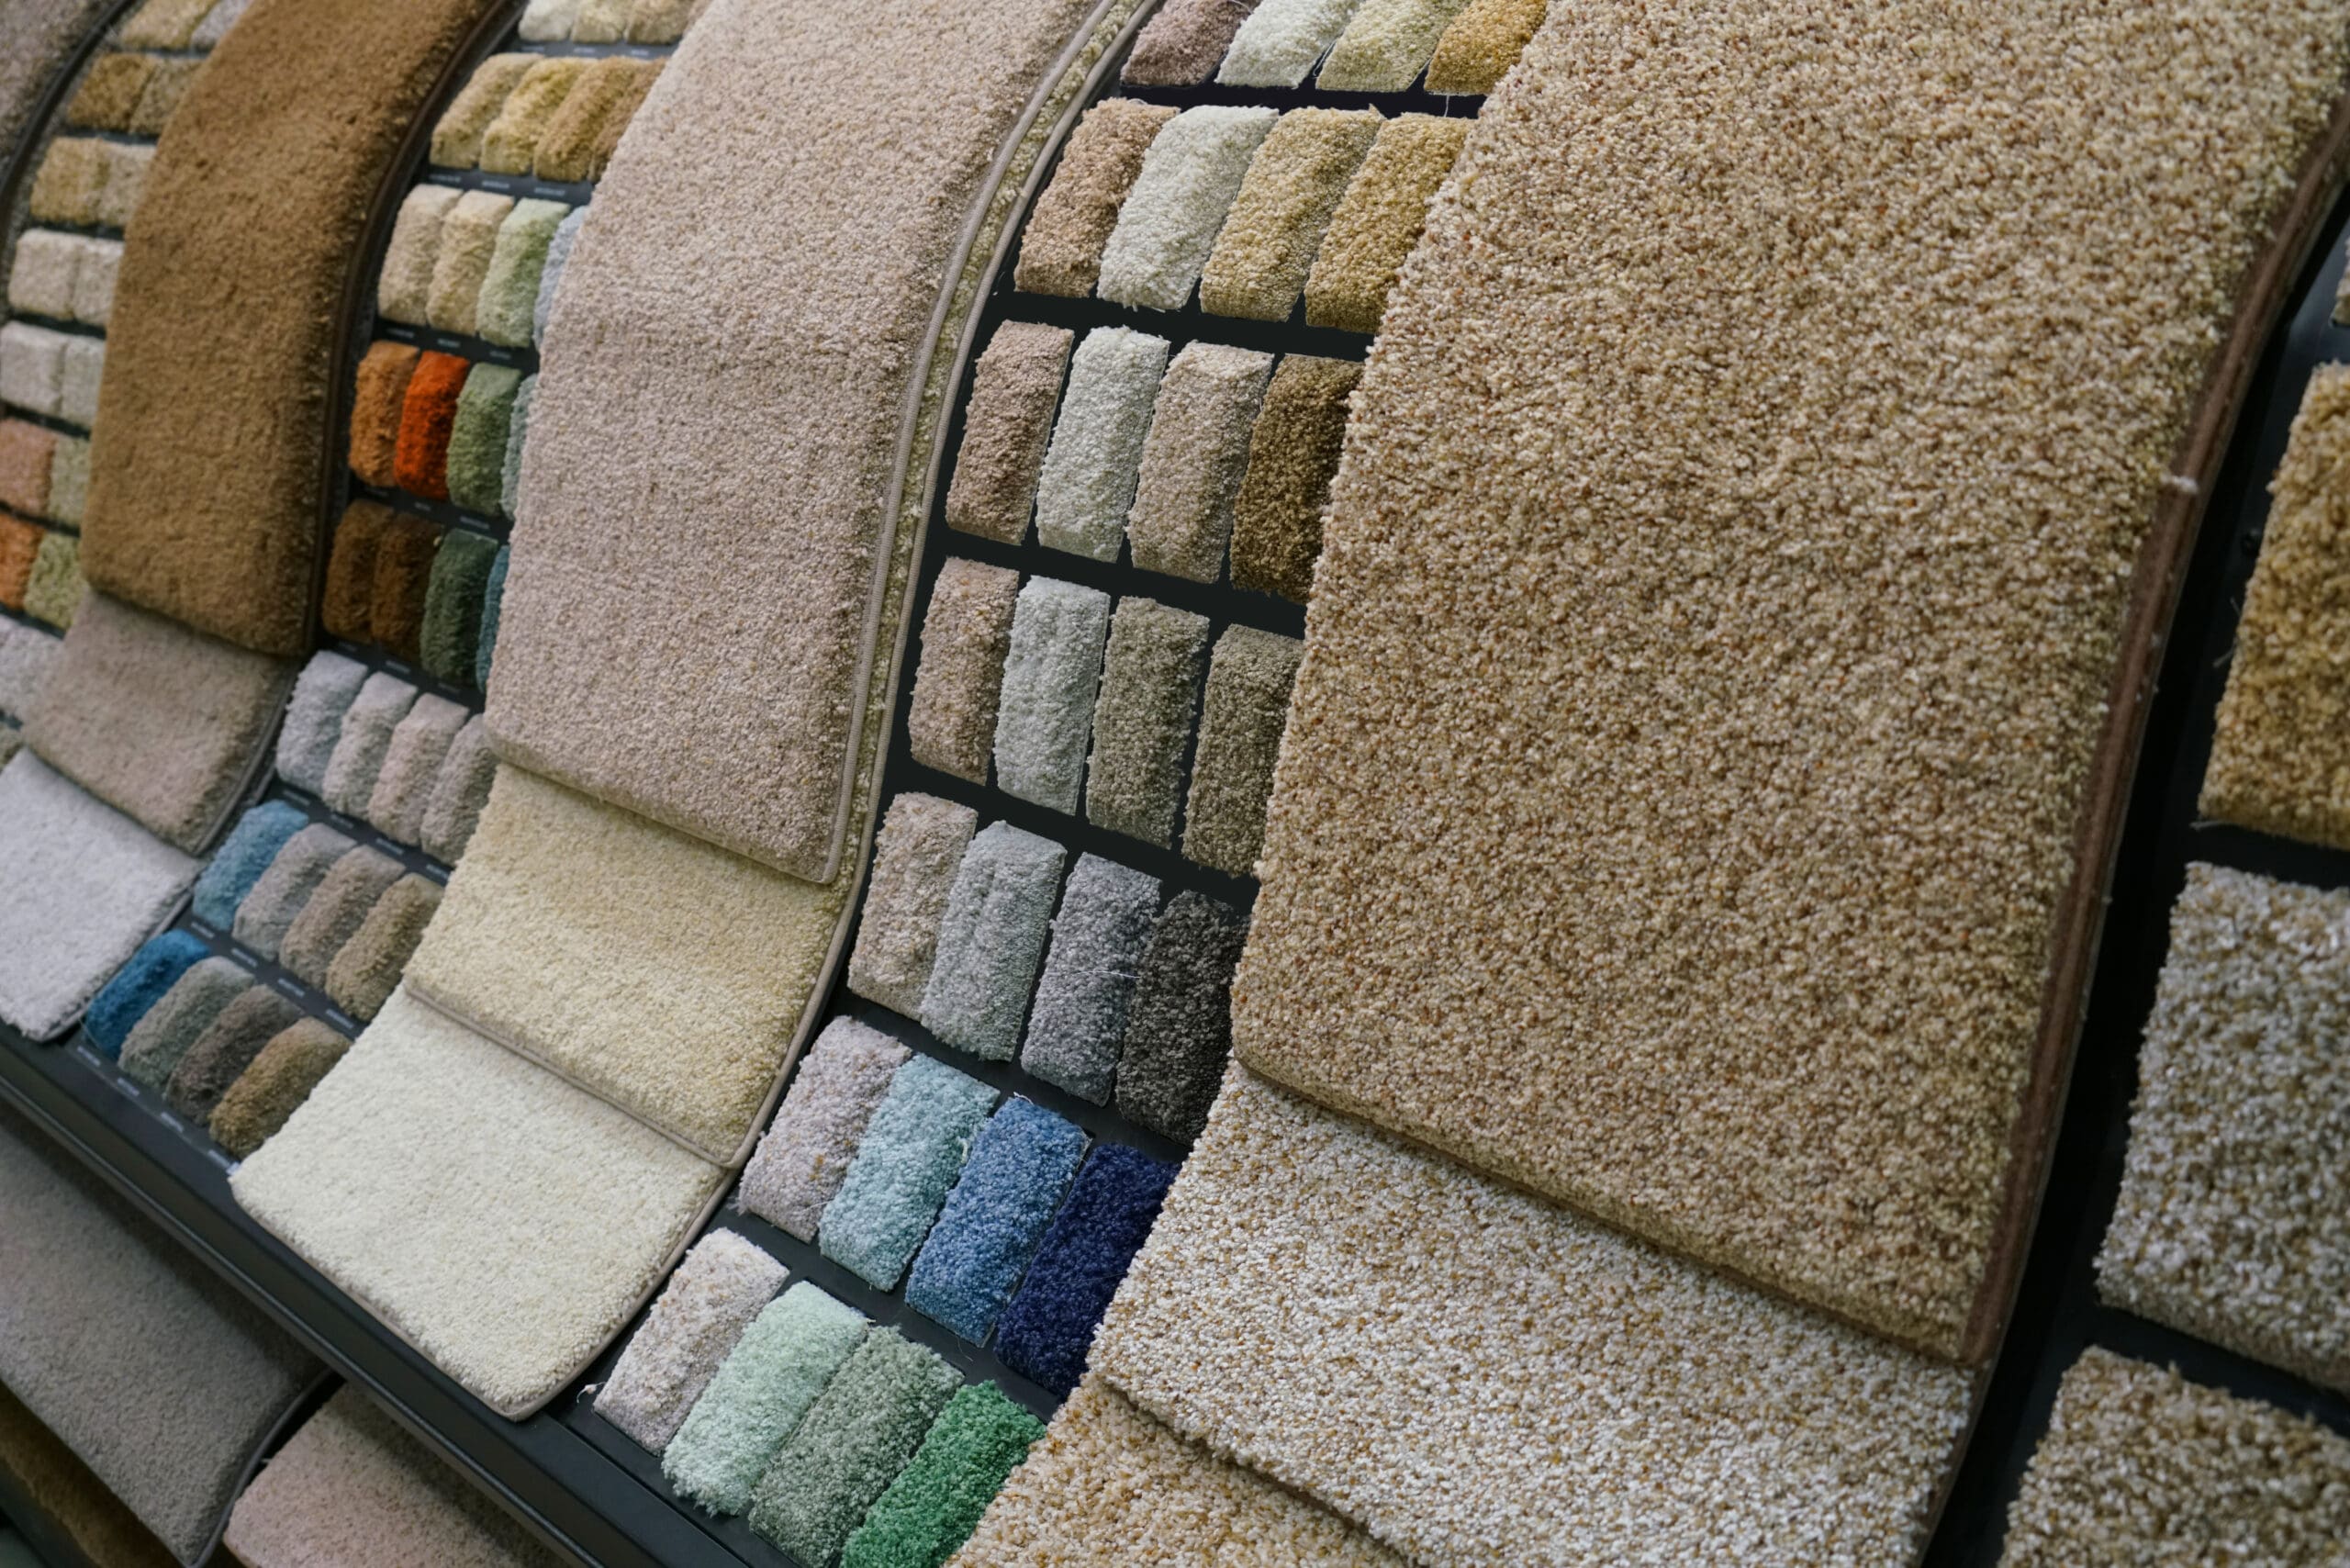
(1241, 721)
(53, 590)
(334, 912)
(404, 784)
(226, 1049)
(459, 792)
(1194, 459)
(1150, 683)
(271, 908)
(1483, 41)
(579, 137)
(347, 606)
(404, 287)
(242, 859)
(1045, 1332)
(806, 1154)
(1280, 41)
(1295, 184)
(1385, 45)
(1293, 456)
(1061, 250)
(1179, 1026)
(379, 400)
(856, 1438)
(468, 241)
(518, 428)
(1020, 1165)
(510, 289)
(1007, 421)
(965, 633)
(1170, 219)
(934, 1504)
(1379, 220)
(510, 144)
(1051, 677)
(719, 1287)
(368, 967)
(404, 551)
(908, 1159)
(1183, 41)
(69, 480)
(916, 853)
(428, 415)
(138, 985)
(1088, 481)
(759, 1395)
(273, 1086)
(1080, 1017)
(456, 136)
(477, 460)
(383, 702)
(158, 1041)
(323, 692)
(448, 639)
(28, 453)
(999, 916)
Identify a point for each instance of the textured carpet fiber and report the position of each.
(460, 790)
(1150, 685)
(1184, 42)
(274, 1085)
(1385, 45)
(448, 637)
(805, 1155)
(1194, 459)
(253, 1018)
(476, 470)
(1079, 1018)
(1088, 482)
(468, 241)
(404, 287)
(54, 1481)
(1241, 721)
(334, 912)
(1280, 41)
(1045, 1332)
(347, 606)
(41, 33)
(912, 1148)
(1294, 186)
(242, 859)
(138, 985)
(364, 973)
(1170, 219)
(456, 136)
(152, 1052)
(429, 411)
(1179, 1025)
(721, 1285)
(998, 914)
(1019, 1166)
(1051, 677)
(930, 1508)
(313, 723)
(374, 717)
(510, 289)
(380, 402)
(1292, 455)
(1060, 248)
(759, 1395)
(854, 1442)
(915, 856)
(412, 762)
(269, 910)
(1007, 421)
(1483, 41)
(965, 633)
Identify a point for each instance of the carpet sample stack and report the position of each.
(806, 1154)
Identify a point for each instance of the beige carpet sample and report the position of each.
(1483, 41)
(374, 717)
(1184, 42)
(460, 790)
(510, 145)
(1293, 455)
(1280, 41)
(1385, 45)
(1295, 184)
(1007, 421)
(1379, 219)
(1241, 721)
(1150, 684)
(915, 856)
(468, 241)
(334, 912)
(2141, 1469)
(404, 288)
(1170, 218)
(965, 633)
(419, 745)
(722, 1285)
(456, 136)
(269, 910)
(805, 1155)
(1060, 248)
(1194, 459)
(1044, 716)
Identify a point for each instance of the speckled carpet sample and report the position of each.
(334, 912)
(1184, 42)
(1294, 186)
(724, 1283)
(1385, 45)
(1193, 458)
(153, 1050)
(242, 859)
(854, 1442)
(805, 1155)
(758, 1395)
(906, 1162)
(412, 761)
(1150, 685)
(1292, 455)
(254, 1017)
(26, 657)
(930, 1509)
(916, 853)
(1280, 41)
(1080, 1017)
(1483, 41)
(275, 1085)
(1170, 219)
(270, 908)
(1045, 1332)
(1051, 678)
(1241, 721)
(1060, 247)
(999, 916)
(965, 633)
(1007, 421)
(1011, 1181)
(1179, 1025)
(1088, 481)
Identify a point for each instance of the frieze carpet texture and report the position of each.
(271, 168)
(915, 857)
(1817, 1046)
(805, 1157)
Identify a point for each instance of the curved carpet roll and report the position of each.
(269, 168)
(915, 856)
(275, 902)
(275, 1085)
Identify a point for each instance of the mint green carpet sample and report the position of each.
(477, 438)
(935, 1503)
(509, 290)
(854, 1442)
(761, 1391)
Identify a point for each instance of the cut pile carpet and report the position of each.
(722, 1284)
(915, 857)
(806, 1154)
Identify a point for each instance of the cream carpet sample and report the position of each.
(1193, 458)
(1805, 1046)
(965, 633)
(1088, 482)
(403, 287)
(1007, 421)
(1293, 186)
(1170, 221)
(1386, 44)
(405, 1174)
(1280, 41)
(915, 856)
(2234, 1223)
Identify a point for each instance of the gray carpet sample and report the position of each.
(412, 763)
(915, 856)
(366, 735)
(335, 912)
(152, 1052)
(254, 1017)
(459, 792)
(1241, 721)
(1044, 711)
(999, 916)
(313, 722)
(1179, 1026)
(1194, 459)
(364, 974)
(267, 911)
(1088, 482)
(1080, 1017)
(1150, 681)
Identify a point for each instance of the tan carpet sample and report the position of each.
(41, 34)
(1379, 219)
(456, 136)
(1193, 458)
(1184, 42)
(270, 169)
(1385, 46)
(1483, 41)
(1295, 184)
(965, 633)
(346, 608)
(1007, 419)
(578, 138)
(364, 973)
(335, 911)
(274, 1085)
(1150, 684)
(1293, 455)
(510, 144)
(1060, 248)
(915, 856)
(403, 287)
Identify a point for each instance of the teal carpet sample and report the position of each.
(913, 1146)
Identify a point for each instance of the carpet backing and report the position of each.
(723, 1283)
(1052, 675)
(915, 856)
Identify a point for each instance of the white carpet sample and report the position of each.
(1170, 221)
(460, 790)
(26, 655)
(85, 886)
(721, 1285)
(327, 686)
(549, 21)
(383, 702)
(915, 857)
(420, 744)
(94, 281)
(1081, 1013)
(805, 1155)
(1044, 715)
(999, 916)
(41, 279)
(1087, 480)
(1280, 41)
(1193, 460)
(1386, 45)
(404, 287)
(32, 367)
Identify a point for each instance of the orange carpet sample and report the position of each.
(421, 466)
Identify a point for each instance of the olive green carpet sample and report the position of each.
(930, 1509)
(270, 169)
(369, 965)
(1241, 721)
(1293, 455)
(853, 1443)
(1379, 219)
(273, 1085)
(456, 135)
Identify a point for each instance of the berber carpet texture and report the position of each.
(1007, 422)
(1777, 1067)
(722, 1284)
(1150, 687)
(271, 168)
(805, 1155)
(1052, 676)
(916, 856)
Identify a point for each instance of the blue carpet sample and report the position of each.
(138, 985)
(912, 1148)
(1045, 1332)
(493, 595)
(1020, 1165)
(243, 856)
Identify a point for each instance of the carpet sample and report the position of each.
(378, 406)
(69, 480)
(203, 364)
(1019, 1166)
(568, 145)
(1060, 249)
(2140, 1466)
(1051, 678)
(1109, 1484)
(122, 179)
(1179, 1025)
(26, 658)
(404, 287)
(999, 916)
(1293, 456)
(722, 1284)
(567, 915)
(158, 1374)
(1150, 684)
(94, 281)
(2234, 1222)
(323, 693)
(139, 984)
(334, 912)
(1007, 421)
(242, 859)
(509, 481)
(661, 21)
(224, 15)
(346, 608)
(460, 790)
(157, 1042)
(2277, 761)
(427, 416)
(270, 910)
(1380, 218)
(273, 1085)
(916, 853)
(1386, 44)
(19, 543)
(383, 702)
(367, 969)
(548, 21)
(905, 1163)
(614, 122)
(1045, 1333)
(158, 721)
(935, 1502)
(60, 1489)
(32, 367)
(856, 1438)
(404, 551)
(353, 1488)
(1079, 1018)
(1087, 480)
(1168, 224)
(510, 289)
(411, 765)
(258, 1014)
(161, 99)
(468, 242)
(965, 633)
(1293, 186)
(403, 1172)
(600, 21)
(28, 453)
(1241, 721)
(1184, 42)
(458, 135)
(83, 362)
(163, 24)
(41, 274)
(53, 590)
(758, 1395)
(1280, 41)
(69, 184)
(109, 91)
(1483, 41)
(806, 1154)
(1280, 1192)
(1194, 459)
(510, 144)
(448, 637)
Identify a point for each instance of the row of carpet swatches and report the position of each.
(419, 592)
(64, 276)
(478, 263)
(414, 766)
(50, 373)
(40, 571)
(844, 1442)
(1177, 460)
(1363, 46)
(89, 181)
(1251, 206)
(609, 21)
(962, 927)
(555, 117)
(441, 426)
(43, 474)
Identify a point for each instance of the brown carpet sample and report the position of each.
(1483, 41)
(1294, 186)
(109, 92)
(27, 452)
(347, 607)
(275, 1085)
(1379, 219)
(122, 179)
(52, 1479)
(226, 1049)
(270, 169)
(615, 120)
(377, 404)
(428, 418)
(950, 723)
(1194, 459)
(567, 144)
(1061, 250)
(365, 971)
(19, 543)
(164, 723)
(1241, 721)
(1292, 455)
(161, 99)
(456, 136)
(335, 913)
(1183, 45)
(510, 145)
(403, 554)
(915, 856)
(1007, 422)
(1150, 683)
(1823, 1064)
